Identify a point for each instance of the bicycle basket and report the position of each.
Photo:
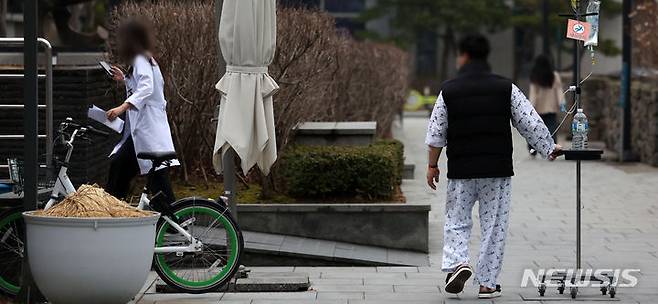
(44, 180)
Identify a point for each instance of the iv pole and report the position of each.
(576, 276)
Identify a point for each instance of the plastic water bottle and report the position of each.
(579, 130)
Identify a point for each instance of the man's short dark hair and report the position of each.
(475, 45)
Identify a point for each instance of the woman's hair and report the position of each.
(543, 73)
(134, 37)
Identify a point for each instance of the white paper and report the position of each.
(100, 115)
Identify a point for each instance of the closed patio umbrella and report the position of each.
(247, 38)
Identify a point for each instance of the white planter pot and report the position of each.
(90, 260)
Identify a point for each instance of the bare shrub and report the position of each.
(371, 83)
(304, 66)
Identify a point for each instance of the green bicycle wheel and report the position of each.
(218, 260)
(12, 234)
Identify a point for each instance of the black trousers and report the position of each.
(124, 167)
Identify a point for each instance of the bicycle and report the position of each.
(198, 244)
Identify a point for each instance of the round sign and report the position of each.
(578, 28)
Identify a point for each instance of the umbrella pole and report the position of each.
(229, 181)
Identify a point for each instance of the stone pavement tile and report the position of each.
(430, 269)
(463, 300)
(431, 301)
(271, 269)
(340, 281)
(403, 296)
(401, 257)
(403, 281)
(644, 299)
(419, 289)
(297, 302)
(307, 295)
(332, 295)
(426, 275)
(396, 269)
(335, 269)
(182, 298)
(341, 274)
(352, 288)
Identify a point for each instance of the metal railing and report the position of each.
(48, 107)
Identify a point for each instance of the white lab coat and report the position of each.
(146, 120)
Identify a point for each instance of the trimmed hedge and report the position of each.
(371, 171)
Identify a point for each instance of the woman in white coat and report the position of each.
(146, 128)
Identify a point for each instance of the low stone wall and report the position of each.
(75, 88)
(344, 133)
(600, 98)
(390, 225)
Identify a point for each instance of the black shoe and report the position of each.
(490, 294)
(455, 280)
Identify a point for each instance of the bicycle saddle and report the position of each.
(157, 157)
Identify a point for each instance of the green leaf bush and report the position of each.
(372, 171)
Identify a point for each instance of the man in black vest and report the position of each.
(471, 118)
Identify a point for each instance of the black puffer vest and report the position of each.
(479, 132)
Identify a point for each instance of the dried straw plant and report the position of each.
(323, 76)
(93, 201)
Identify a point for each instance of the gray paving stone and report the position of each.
(432, 301)
(339, 295)
(416, 288)
(350, 288)
(396, 269)
(403, 281)
(403, 296)
(307, 295)
(338, 281)
(298, 302)
(365, 275)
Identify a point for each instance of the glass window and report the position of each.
(344, 6)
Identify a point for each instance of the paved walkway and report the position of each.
(620, 230)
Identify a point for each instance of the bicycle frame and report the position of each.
(64, 186)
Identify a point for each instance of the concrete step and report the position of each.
(264, 249)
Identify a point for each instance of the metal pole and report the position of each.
(48, 52)
(578, 106)
(228, 160)
(229, 181)
(625, 98)
(29, 292)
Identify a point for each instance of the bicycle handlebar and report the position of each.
(96, 131)
(70, 122)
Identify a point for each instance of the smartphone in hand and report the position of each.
(107, 67)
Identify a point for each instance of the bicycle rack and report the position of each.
(48, 107)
